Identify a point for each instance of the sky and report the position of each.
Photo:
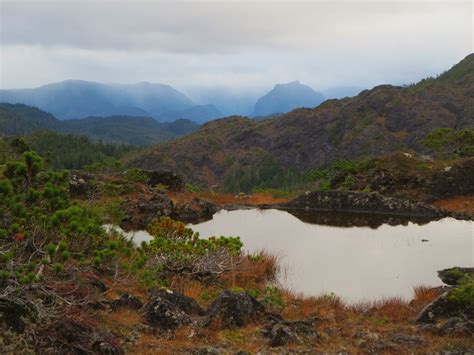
(236, 45)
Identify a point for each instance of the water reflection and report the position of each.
(357, 263)
(347, 219)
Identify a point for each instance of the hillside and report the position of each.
(74, 99)
(378, 121)
(286, 97)
(19, 119)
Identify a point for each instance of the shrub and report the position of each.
(177, 249)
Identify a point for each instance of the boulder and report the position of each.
(234, 309)
(443, 308)
(80, 184)
(186, 304)
(171, 180)
(453, 275)
(15, 312)
(127, 300)
(281, 332)
(165, 315)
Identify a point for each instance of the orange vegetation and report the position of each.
(457, 204)
(227, 199)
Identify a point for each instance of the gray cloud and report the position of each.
(231, 43)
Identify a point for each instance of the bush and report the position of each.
(463, 294)
(177, 249)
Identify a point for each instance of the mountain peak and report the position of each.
(286, 97)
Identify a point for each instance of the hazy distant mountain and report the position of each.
(19, 119)
(286, 97)
(378, 121)
(74, 99)
(227, 100)
(201, 113)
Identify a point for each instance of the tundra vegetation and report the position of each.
(68, 285)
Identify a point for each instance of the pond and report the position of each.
(355, 257)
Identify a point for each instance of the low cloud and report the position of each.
(247, 44)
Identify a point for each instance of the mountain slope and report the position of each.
(73, 99)
(378, 121)
(286, 97)
(19, 119)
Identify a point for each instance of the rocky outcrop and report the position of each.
(453, 276)
(80, 184)
(281, 332)
(165, 315)
(171, 180)
(234, 309)
(362, 202)
(457, 180)
(126, 300)
(186, 304)
(154, 203)
(448, 313)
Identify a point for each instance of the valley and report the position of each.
(342, 228)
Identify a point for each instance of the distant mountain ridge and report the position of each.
(20, 119)
(375, 122)
(286, 97)
(74, 99)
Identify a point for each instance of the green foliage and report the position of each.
(36, 211)
(67, 151)
(270, 296)
(267, 173)
(137, 175)
(178, 249)
(463, 294)
(450, 142)
(192, 188)
(345, 168)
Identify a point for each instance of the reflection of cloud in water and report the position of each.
(357, 263)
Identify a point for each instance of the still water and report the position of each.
(357, 257)
(356, 263)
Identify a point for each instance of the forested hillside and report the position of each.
(19, 119)
(376, 122)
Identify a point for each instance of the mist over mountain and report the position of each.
(227, 100)
(20, 119)
(378, 121)
(286, 97)
(73, 99)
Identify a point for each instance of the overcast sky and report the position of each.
(248, 45)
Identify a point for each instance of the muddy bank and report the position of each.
(366, 203)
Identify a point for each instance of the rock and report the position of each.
(196, 211)
(80, 184)
(186, 304)
(139, 211)
(442, 308)
(363, 202)
(457, 326)
(67, 336)
(161, 313)
(281, 332)
(234, 309)
(15, 312)
(98, 284)
(452, 275)
(142, 209)
(457, 181)
(171, 180)
(411, 340)
(127, 301)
